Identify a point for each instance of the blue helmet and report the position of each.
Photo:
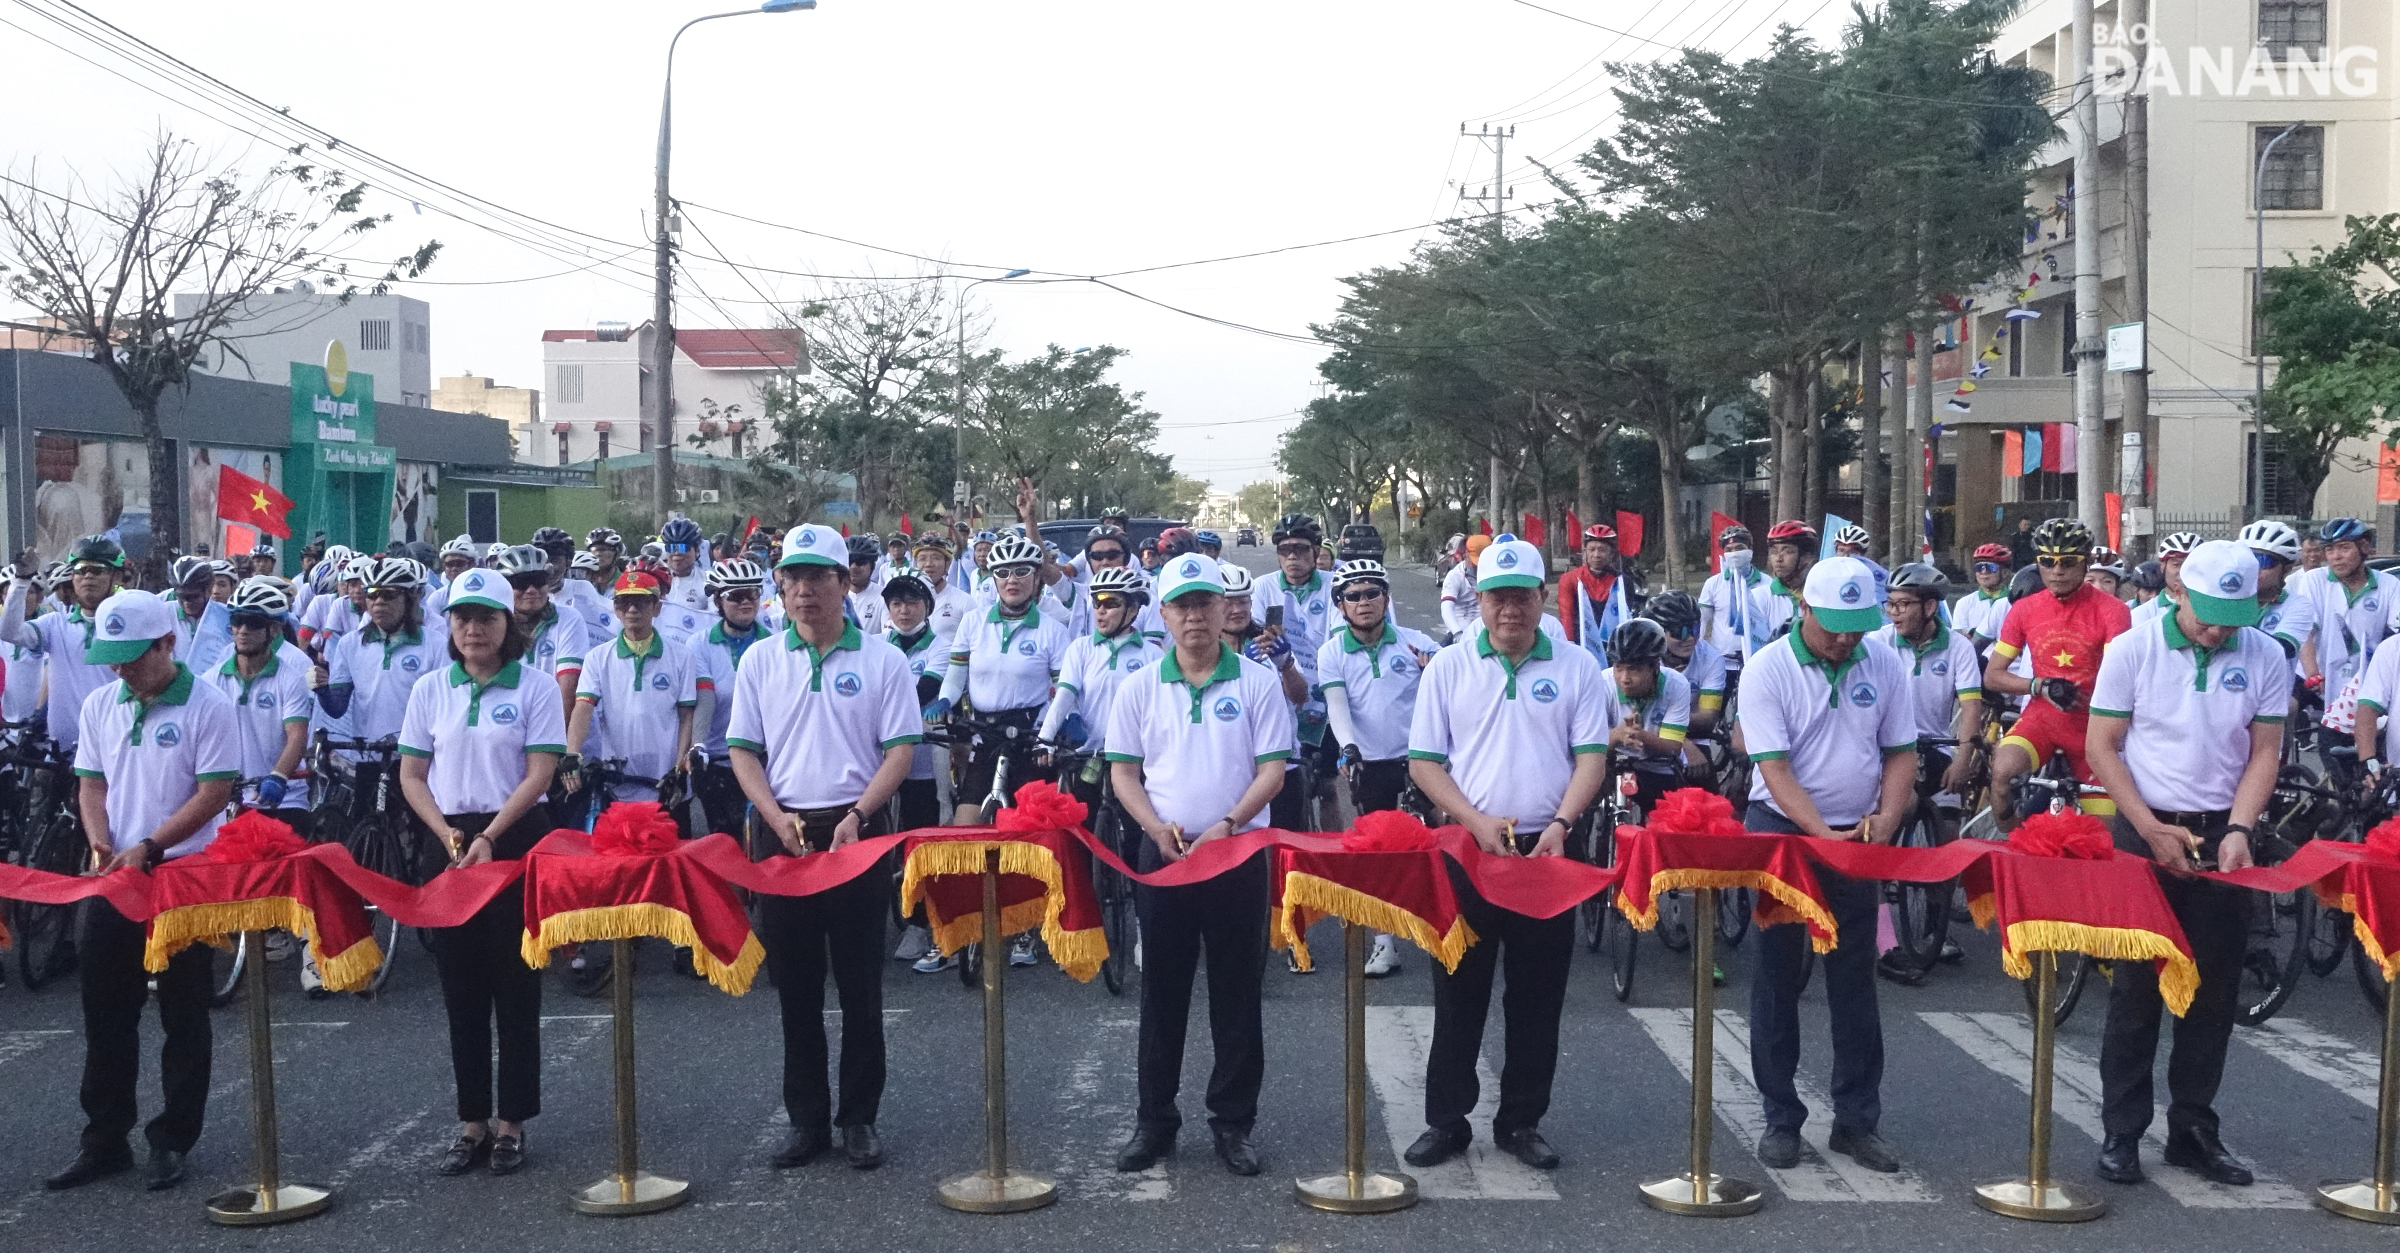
(2341, 529)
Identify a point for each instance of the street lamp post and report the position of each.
(2258, 297)
(661, 415)
(960, 493)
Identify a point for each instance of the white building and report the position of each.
(388, 337)
(599, 380)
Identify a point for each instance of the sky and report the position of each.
(1069, 137)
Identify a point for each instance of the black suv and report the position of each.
(1069, 533)
(1360, 541)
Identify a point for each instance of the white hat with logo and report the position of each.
(1844, 594)
(128, 623)
(1510, 562)
(813, 545)
(481, 589)
(1191, 572)
(2221, 579)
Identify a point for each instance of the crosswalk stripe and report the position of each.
(16, 1044)
(1820, 1176)
(2004, 1044)
(1083, 1165)
(1398, 1040)
(2326, 1058)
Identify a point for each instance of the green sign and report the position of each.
(332, 408)
(355, 458)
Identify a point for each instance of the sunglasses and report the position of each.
(2049, 561)
(1360, 598)
(1014, 572)
(523, 581)
(1295, 550)
(251, 622)
(1987, 567)
(740, 596)
(1106, 554)
(386, 593)
(1110, 602)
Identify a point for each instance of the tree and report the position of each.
(1056, 421)
(880, 359)
(1259, 503)
(106, 265)
(2333, 325)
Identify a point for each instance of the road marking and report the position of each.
(2325, 1058)
(578, 1032)
(16, 1044)
(1398, 1040)
(579, 1017)
(380, 1148)
(2004, 1044)
(1085, 1168)
(1821, 1175)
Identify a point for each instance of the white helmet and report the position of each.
(585, 561)
(492, 551)
(2180, 542)
(1361, 570)
(1237, 579)
(2269, 536)
(1853, 534)
(356, 569)
(188, 570)
(734, 575)
(513, 560)
(1121, 580)
(396, 573)
(336, 554)
(1015, 550)
(262, 594)
(462, 546)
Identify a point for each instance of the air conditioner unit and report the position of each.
(708, 495)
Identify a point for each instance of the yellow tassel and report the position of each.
(1982, 910)
(218, 922)
(2387, 962)
(1315, 897)
(1758, 881)
(2177, 983)
(637, 921)
(1078, 953)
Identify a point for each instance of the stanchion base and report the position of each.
(1344, 1193)
(982, 1192)
(617, 1197)
(249, 1207)
(2356, 1199)
(1726, 1198)
(2055, 1203)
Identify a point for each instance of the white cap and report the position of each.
(1844, 594)
(1510, 562)
(813, 545)
(487, 589)
(2220, 578)
(129, 622)
(1191, 572)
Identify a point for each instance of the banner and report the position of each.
(1717, 523)
(1629, 533)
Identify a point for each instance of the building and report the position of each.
(516, 408)
(389, 338)
(599, 383)
(2223, 77)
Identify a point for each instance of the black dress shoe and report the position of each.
(861, 1147)
(1438, 1145)
(508, 1154)
(1528, 1146)
(802, 1148)
(1864, 1147)
(90, 1166)
(1235, 1150)
(1779, 1148)
(465, 1154)
(2200, 1151)
(166, 1170)
(1145, 1149)
(2120, 1159)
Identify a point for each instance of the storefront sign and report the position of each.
(331, 405)
(355, 457)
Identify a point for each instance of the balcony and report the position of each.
(2015, 402)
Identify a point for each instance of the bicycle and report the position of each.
(2054, 789)
(1016, 745)
(358, 797)
(1112, 891)
(50, 837)
(2283, 926)
(1921, 912)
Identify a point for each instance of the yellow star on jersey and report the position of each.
(2063, 659)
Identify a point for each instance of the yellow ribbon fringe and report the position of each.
(216, 924)
(2387, 962)
(1758, 881)
(1078, 953)
(1321, 897)
(2177, 982)
(636, 921)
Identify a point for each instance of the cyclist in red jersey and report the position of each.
(2061, 630)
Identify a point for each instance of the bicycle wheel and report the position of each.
(1675, 921)
(1619, 938)
(1923, 916)
(2074, 970)
(2280, 926)
(2328, 940)
(970, 965)
(1734, 906)
(1116, 925)
(381, 843)
(2370, 977)
(45, 934)
(225, 975)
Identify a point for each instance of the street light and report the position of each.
(2258, 297)
(959, 491)
(662, 296)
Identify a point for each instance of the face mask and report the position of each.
(1737, 562)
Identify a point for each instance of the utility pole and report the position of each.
(661, 416)
(1498, 195)
(2091, 426)
(2140, 433)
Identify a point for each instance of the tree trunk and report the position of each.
(1896, 411)
(1587, 492)
(1670, 493)
(1920, 423)
(166, 504)
(1812, 501)
(1871, 505)
(1791, 467)
(1778, 451)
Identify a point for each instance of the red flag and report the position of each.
(1629, 534)
(2054, 447)
(1487, 526)
(2114, 506)
(1534, 533)
(1574, 527)
(1717, 523)
(748, 529)
(905, 528)
(845, 530)
(250, 502)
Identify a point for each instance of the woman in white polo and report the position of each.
(1197, 745)
(478, 747)
(1003, 662)
(637, 691)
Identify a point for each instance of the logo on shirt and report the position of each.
(1863, 696)
(1545, 690)
(658, 682)
(169, 735)
(2235, 679)
(1025, 647)
(2271, 621)
(505, 715)
(266, 700)
(1228, 709)
(1941, 667)
(1316, 607)
(2230, 582)
(847, 683)
(2367, 604)
(1399, 665)
(1133, 665)
(411, 663)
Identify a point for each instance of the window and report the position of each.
(603, 454)
(2291, 29)
(418, 337)
(562, 448)
(483, 516)
(2294, 177)
(375, 335)
(2066, 336)
(2016, 347)
(569, 387)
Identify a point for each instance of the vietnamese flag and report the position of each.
(1629, 533)
(1717, 523)
(252, 503)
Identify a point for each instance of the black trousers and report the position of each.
(841, 931)
(1379, 785)
(1535, 952)
(721, 798)
(920, 804)
(114, 988)
(488, 990)
(2216, 923)
(1288, 811)
(1849, 997)
(1227, 917)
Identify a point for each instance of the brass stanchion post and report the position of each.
(1354, 1189)
(1698, 1190)
(270, 1200)
(2037, 1196)
(995, 1189)
(627, 1190)
(2373, 1200)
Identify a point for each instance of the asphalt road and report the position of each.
(365, 1095)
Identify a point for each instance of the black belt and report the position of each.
(2193, 819)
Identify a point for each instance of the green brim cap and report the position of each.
(1849, 620)
(2227, 611)
(810, 559)
(1533, 581)
(114, 652)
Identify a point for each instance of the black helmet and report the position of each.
(554, 541)
(600, 536)
(680, 530)
(97, 550)
(907, 587)
(864, 547)
(1919, 577)
(1298, 526)
(2062, 535)
(2149, 577)
(2028, 580)
(1636, 642)
(1674, 611)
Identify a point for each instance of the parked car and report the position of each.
(1360, 541)
(1069, 533)
(1247, 537)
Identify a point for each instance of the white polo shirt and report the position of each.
(823, 723)
(1307, 614)
(1200, 744)
(332, 614)
(1011, 662)
(866, 607)
(1738, 610)
(922, 656)
(1510, 734)
(716, 657)
(476, 735)
(953, 607)
(1667, 713)
(585, 602)
(1094, 669)
(1979, 613)
(2379, 689)
(1461, 612)
(2348, 626)
(1379, 683)
(2291, 618)
(262, 708)
(1705, 670)
(60, 637)
(22, 695)
(690, 590)
(558, 644)
(381, 670)
(1941, 673)
(1835, 725)
(2190, 712)
(636, 695)
(155, 755)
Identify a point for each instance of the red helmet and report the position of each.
(1995, 552)
(1792, 532)
(1600, 531)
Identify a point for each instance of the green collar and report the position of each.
(657, 648)
(1305, 590)
(232, 670)
(816, 660)
(892, 636)
(1994, 594)
(1031, 617)
(717, 635)
(1776, 586)
(508, 676)
(1229, 666)
(1940, 642)
(178, 692)
(1833, 673)
(372, 635)
(1483, 648)
(1352, 644)
(2201, 657)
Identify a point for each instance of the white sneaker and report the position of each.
(1020, 952)
(1137, 948)
(915, 942)
(279, 946)
(1384, 958)
(934, 961)
(310, 981)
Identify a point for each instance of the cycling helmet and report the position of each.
(1853, 534)
(584, 561)
(1674, 611)
(682, 532)
(263, 548)
(2028, 581)
(338, 553)
(1919, 578)
(521, 559)
(96, 550)
(396, 574)
(2062, 535)
(604, 537)
(930, 542)
(1013, 551)
(654, 551)
(1600, 531)
(261, 594)
(552, 539)
(1100, 532)
(1237, 580)
(1121, 581)
(2114, 567)
(2269, 536)
(55, 573)
(1175, 541)
(1361, 570)
(864, 547)
(2182, 542)
(2149, 577)
(1995, 552)
(733, 575)
(492, 551)
(1298, 526)
(2345, 528)
(907, 587)
(1637, 642)
(1735, 532)
(1793, 532)
(220, 568)
(459, 546)
(1208, 539)
(355, 570)
(185, 571)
